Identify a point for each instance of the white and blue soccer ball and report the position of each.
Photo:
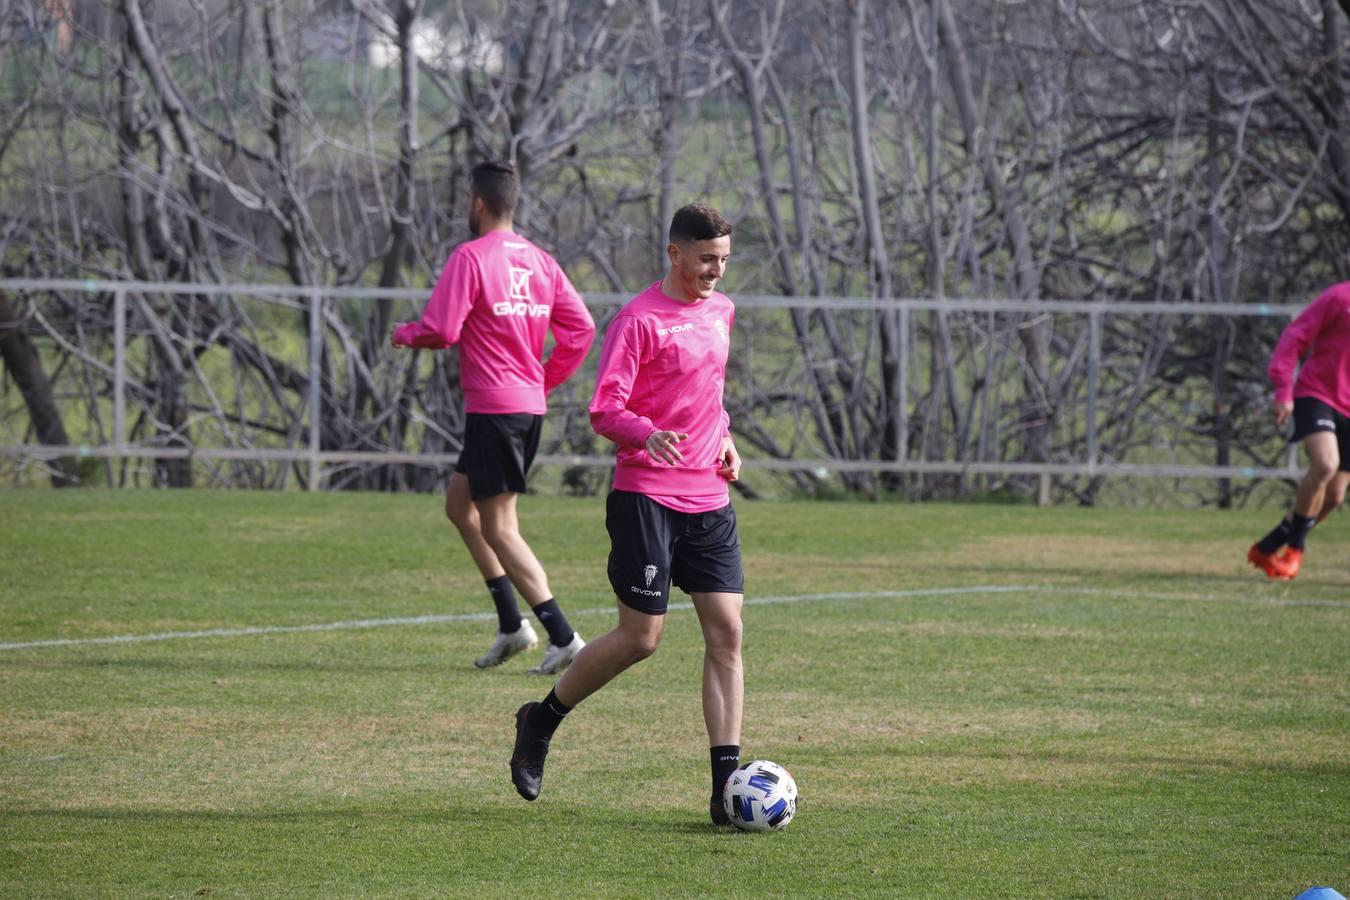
(760, 796)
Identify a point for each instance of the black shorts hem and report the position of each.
(487, 492)
(713, 590)
(665, 606)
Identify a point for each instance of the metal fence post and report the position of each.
(902, 414)
(120, 373)
(315, 362)
(1093, 374)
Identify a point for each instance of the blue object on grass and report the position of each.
(1320, 893)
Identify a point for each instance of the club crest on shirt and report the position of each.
(721, 329)
(520, 283)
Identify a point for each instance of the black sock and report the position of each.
(725, 759)
(560, 633)
(547, 716)
(1298, 530)
(1277, 538)
(504, 598)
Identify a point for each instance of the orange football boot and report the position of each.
(1274, 566)
(1291, 561)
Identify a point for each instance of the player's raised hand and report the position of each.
(1282, 412)
(661, 445)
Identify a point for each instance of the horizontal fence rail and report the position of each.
(743, 301)
(768, 347)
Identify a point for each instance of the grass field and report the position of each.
(975, 701)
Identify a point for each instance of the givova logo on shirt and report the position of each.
(531, 310)
(674, 329)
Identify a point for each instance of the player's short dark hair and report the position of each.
(496, 183)
(697, 222)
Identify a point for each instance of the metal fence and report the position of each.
(766, 361)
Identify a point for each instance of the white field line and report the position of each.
(836, 596)
(1202, 598)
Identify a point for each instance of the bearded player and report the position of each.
(497, 298)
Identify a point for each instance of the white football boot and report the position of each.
(507, 645)
(558, 658)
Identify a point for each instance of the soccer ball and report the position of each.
(760, 796)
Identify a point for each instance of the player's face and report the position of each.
(696, 267)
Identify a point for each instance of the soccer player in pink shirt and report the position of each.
(658, 395)
(1319, 402)
(497, 298)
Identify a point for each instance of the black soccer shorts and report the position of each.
(652, 546)
(1312, 415)
(499, 449)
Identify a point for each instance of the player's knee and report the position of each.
(1322, 469)
(459, 514)
(646, 645)
(465, 522)
(724, 639)
(498, 534)
(641, 645)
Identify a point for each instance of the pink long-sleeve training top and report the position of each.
(1321, 333)
(662, 368)
(498, 297)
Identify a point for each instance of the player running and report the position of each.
(658, 396)
(1319, 401)
(497, 298)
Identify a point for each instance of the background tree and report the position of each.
(1083, 149)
